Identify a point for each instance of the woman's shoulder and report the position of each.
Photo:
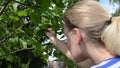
(109, 63)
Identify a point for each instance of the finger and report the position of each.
(47, 33)
(48, 30)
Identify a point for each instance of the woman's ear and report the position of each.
(76, 35)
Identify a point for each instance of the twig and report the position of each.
(8, 36)
(18, 51)
(22, 50)
(5, 38)
(4, 6)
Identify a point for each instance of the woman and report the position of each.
(92, 36)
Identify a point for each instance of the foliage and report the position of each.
(23, 43)
(114, 1)
(117, 13)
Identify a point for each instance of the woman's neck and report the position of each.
(98, 54)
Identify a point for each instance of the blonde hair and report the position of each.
(111, 36)
(94, 19)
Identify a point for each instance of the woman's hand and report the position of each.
(51, 35)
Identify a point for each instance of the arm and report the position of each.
(60, 45)
(63, 47)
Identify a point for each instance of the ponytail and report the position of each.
(111, 36)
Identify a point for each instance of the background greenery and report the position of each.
(23, 43)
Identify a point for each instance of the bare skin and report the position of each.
(63, 47)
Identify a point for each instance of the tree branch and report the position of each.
(5, 38)
(23, 50)
(8, 36)
(4, 6)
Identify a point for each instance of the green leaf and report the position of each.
(13, 58)
(14, 17)
(12, 40)
(22, 13)
(24, 43)
(15, 6)
(35, 18)
(10, 58)
(2, 52)
(58, 3)
(43, 3)
(38, 45)
(26, 65)
(23, 18)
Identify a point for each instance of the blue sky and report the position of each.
(110, 7)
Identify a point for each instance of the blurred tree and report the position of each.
(115, 1)
(23, 43)
(117, 12)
